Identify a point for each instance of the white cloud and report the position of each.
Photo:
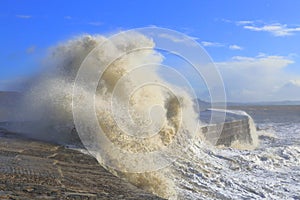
(24, 16)
(68, 17)
(175, 38)
(261, 55)
(241, 22)
(290, 90)
(96, 23)
(211, 44)
(260, 61)
(259, 78)
(235, 47)
(275, 29)
(225, 20)
(217, 44)
(244, 22)
(295, 82)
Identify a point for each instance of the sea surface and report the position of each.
(271, 171)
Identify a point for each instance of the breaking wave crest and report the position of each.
(137, 111)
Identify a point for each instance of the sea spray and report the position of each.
(48, 102)
(48, 97)
(135, 117)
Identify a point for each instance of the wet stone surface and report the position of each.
(37, 170)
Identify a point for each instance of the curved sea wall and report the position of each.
(237, 130)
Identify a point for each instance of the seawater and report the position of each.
(271, 171)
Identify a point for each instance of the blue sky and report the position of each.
(255, 44)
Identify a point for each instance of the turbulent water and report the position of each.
(204, 171)
(271, 171)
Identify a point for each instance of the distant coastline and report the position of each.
(259, 103)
